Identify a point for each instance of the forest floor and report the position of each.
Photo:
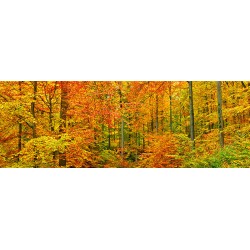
(231, 156)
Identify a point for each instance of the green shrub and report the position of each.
(234, 156)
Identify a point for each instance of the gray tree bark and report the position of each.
(170, 108)
(220, 114)
(33, 106)
(191, 107)
(33, 112)
(20, 127)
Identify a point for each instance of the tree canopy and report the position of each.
(162, 124)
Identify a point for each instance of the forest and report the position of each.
(125, 124)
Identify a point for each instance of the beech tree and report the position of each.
(133, 124)
(221, 123)
(63, 122)
(192, 131)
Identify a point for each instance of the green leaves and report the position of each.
(41, 151)
(122, 124)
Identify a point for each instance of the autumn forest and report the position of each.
(162, 124)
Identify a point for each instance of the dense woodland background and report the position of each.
(124, 124)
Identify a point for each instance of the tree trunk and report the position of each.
(170, 108)
(191, 107)
(20, 128)
(157, 114)
(122, 137)
(122, 121)
(109, 138)
(33, 112)
(63, 117)
(33, 106)
(143, 138)
(220, 114)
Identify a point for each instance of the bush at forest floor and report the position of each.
(232, 156)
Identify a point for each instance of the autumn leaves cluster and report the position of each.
(117, 124)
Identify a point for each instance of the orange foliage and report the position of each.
(161, 153)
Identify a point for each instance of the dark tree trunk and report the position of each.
(33, 112)
(122, 121)
(220, 114)
(20, 128)
(109, 137)
(33, 106)
(191, 107)
(170, 108)
(157, 114)
(63, 117)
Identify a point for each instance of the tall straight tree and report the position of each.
(33, 112)
(220, 114)
(157, 112)
(170, 107)
(191, 107)
(63, 117)
(20, 126)
(122, 119)
(33, 106)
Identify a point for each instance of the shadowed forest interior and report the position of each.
(164, 124)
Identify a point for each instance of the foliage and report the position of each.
(40, 152)
(236, 155)
(49, 124)
(161, 153)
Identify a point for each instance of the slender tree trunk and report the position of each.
(170, 108)
(33, 106)
(191, 107)
(143, 138)
(114, 131)
(162, 115)
(33, 112)
(157, 113)
(122, 138)
(109, 138)
(220, 114)
(51, 115)
(180, 129)
(20, 128)
(119, 134)
(136, 146)
(151, 114)
(63, 116)
(122, 121)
